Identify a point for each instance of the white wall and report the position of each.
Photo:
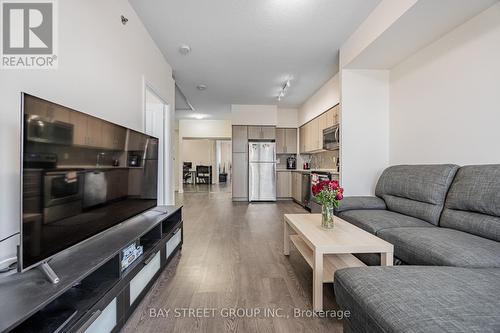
(102, 68)
(205, 128)
(323, 99)
(287, 117)
(445, 99)
(379, 20)
(254, 114)
(364, 129)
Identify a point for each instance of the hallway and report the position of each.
(232, 259)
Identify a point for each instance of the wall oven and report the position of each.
(331, 137)
(63, 195)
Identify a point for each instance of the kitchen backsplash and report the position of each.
(69, 155)
(324, 160)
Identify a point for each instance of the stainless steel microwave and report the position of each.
(331, 138)
(43, 130)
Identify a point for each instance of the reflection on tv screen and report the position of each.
(81, 175)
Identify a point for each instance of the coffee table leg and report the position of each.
(386, 259)
(318, 281)
(286, 238)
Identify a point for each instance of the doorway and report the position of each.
(158, 123)
(206, 165)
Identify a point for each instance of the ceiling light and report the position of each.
(184, 49)
(198, 116)
(284, 89)
(201, 87)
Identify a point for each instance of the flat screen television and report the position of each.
(80, 176)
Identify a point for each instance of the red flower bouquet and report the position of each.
(328, 194)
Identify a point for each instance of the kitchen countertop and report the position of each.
(309, 171)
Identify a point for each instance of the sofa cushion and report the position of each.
(359, 203)
(416, 190)
(442, 247)
(376, 220)
(473, 202)
(419, 299)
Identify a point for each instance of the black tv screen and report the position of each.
(80, 175)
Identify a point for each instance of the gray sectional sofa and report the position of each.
(444, 222)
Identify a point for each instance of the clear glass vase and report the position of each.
(327, 217)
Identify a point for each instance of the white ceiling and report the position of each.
(244, 50)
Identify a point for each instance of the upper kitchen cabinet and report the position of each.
(87, 130)
(332, 116)
(286, 140)
(45, 110)
(280, 141)
(291, 141)
(311, 133)
(240, 139)
(136, 141)
(302, 139)
(261, 132)
(113, 136)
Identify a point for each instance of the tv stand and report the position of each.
(94, 292)
(49, 272)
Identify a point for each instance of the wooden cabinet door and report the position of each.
(291, 140)
(120, 138)
(240, 139)
(322, 124)
(254, 132)
(314, 134)
(94, 132)
(296, 186)
(58, 113)
(283, 184)
(240, 175)
(330, 118)
(108, 136)
(302, 139)
(281, 141)
(79, 121)
(268, 132)
(34, 107)
(136, 141)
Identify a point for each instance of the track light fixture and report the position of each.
(284, 89)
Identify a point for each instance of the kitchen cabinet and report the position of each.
(286, 141)
(117, 184)
(291, 141)
(136, 141)
(48, 111)
(283, 184)
(240, 176)
(79, 121)
(261, 132)
(87, 130)
(333, 116)
(302, 139)
(280, 141)
(240, 139)
(268, 132)
(113, 136)
(311, 133)
(94, 132)
(296, 183)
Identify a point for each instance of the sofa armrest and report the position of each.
(360, 203)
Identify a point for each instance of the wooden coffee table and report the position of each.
(326, 251)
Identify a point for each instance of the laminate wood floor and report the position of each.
(232, 258)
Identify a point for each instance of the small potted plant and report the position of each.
(328, 193)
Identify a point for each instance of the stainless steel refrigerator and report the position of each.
(150, 170)
(262, 171)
